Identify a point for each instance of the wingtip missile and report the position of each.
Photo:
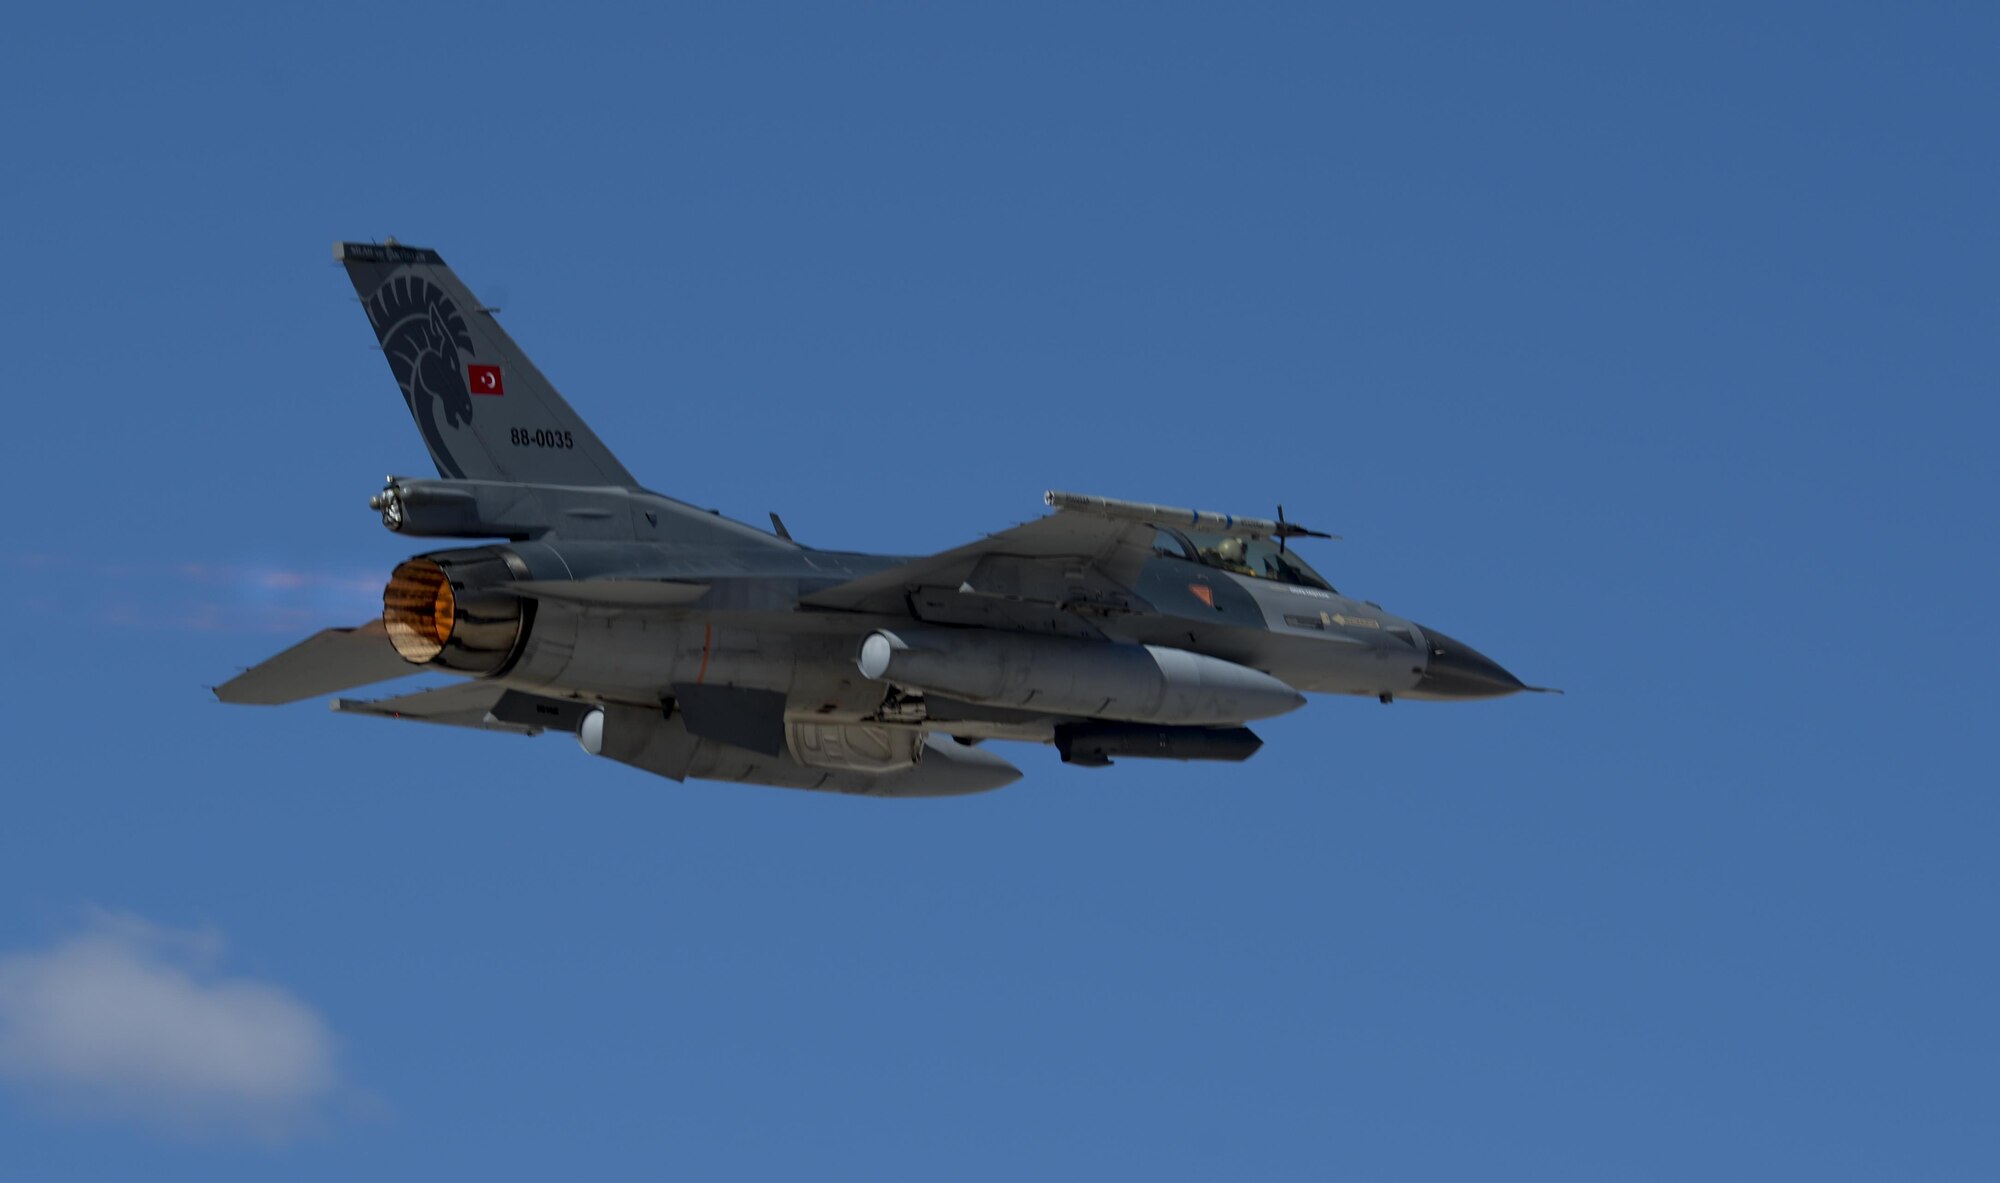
(1170, 515)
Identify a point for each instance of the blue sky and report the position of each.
(1648, 350)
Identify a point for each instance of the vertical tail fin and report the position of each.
(485, 411)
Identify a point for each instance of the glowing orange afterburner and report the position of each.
(454, 609)
(418, 609)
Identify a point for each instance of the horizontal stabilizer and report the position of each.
(328, 661)
(481, 705)
(540, 713)
(462, 704)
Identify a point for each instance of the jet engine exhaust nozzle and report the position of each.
(446, 609)
(418, 610)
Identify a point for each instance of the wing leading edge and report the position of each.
(1035, 560)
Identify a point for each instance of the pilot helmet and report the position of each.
(1231, 549)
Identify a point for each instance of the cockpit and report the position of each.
(1259, 558)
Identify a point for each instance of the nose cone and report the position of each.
(1457, 670)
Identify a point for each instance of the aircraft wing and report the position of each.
(1059, 559)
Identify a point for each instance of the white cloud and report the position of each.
(131, 1020)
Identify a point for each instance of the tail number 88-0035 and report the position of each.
(522, 437)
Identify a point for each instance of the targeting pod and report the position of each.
(1094, 744)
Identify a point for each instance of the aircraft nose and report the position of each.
(1455, 669)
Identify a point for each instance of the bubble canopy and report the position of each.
(1259, 558)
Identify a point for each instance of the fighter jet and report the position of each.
(675, 640)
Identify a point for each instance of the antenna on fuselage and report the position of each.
(1287, 529)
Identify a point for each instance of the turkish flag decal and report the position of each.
(484, 379)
